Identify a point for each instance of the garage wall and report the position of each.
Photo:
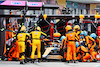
(92, 7)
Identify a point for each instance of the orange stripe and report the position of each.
(60, 27)
(61, 30)
(45, 26)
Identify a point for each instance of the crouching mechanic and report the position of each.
(93, 47)
(21, 43)
(36, 42)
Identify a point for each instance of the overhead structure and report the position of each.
(86, 1)
(36, 6)
(19, 5)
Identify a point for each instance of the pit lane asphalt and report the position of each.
(49, 64)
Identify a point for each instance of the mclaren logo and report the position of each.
(33, 4)
(15, 3)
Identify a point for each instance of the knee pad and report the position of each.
(96, 48)
(77, 53)
(93, 42)
(65, 49)
(21, 54)
(83, 44)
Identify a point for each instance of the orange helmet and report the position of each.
(76, 27)
(23, 28)
(68, 27)
(38, 28)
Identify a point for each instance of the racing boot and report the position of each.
(39, 60)
(75, 61)
(67, 61)
(22, 62)
(32, 61)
